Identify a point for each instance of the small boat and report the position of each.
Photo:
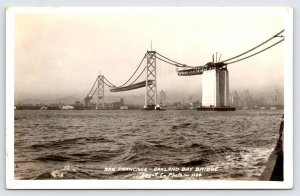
(158, 107)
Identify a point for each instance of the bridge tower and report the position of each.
(151, 89)
(215, 87)
(100, 93)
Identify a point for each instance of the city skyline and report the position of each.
(238, 98)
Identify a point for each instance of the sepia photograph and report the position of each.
(149, 97)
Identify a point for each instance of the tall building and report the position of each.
(121, 101)
(235, 99)
(246, 99)
(276, 98)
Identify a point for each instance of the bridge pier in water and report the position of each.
(215, 88)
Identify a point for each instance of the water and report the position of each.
(81, 144)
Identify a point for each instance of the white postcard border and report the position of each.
(11, 183)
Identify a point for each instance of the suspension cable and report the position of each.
(134, 71)
(130, 76)
(176, 65)
(276, 35)
(94, 92)
(257, 52)
(138, 76)
(98, 88)
(111, 86)
(175, 62)
(108, 82)
(93, 86)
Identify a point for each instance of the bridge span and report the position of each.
(132, 86)
(215, 83)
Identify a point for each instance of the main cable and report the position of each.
(130, 76)
(93, 85)
(276, 35)
(113, 86)
(256, 52)
(174, 62)
(108, 82)
(138, 76)
(135, 70)
(94, 92)
(176, 65)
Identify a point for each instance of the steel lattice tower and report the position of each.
(151, 89)
(100, 96)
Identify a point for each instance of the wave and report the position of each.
(72, 141)
(53, 158)
(142, 153)
(181, 125)
(105, 155)
(193, 163)
(196, 145)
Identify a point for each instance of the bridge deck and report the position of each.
(190, 72)
(200, 69)
(132, 87)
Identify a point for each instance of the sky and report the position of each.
(62, 54)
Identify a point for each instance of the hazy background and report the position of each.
(61, 55)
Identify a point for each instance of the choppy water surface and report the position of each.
(81, 144)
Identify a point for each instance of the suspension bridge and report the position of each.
(215, 85)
